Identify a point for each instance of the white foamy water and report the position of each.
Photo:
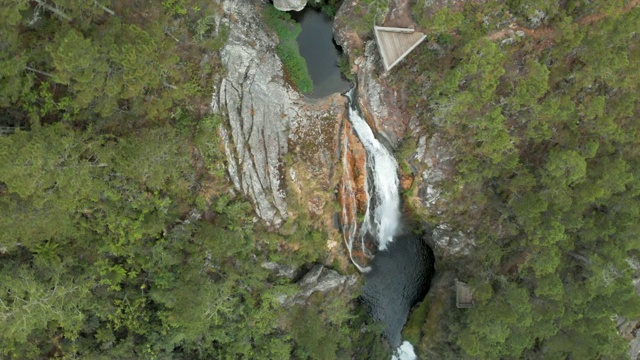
(382, 217)
(404, 352)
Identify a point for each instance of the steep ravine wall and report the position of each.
(385, 107)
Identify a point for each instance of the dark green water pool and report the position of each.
(321, 53)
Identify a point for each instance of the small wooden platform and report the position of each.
(395, 44)
(464, 296)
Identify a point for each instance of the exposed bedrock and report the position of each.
(266, 116)
(255, 99)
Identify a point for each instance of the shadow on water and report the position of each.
(400, 277)
(321, 52)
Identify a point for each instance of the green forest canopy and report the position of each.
(102, 254)
(104, 250)
(544, 125)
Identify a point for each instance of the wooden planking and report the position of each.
(395, 43)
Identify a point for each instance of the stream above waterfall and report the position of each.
(320, 52)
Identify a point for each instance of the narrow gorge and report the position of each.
(397, 264)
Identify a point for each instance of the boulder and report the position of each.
(281, 270)
(319, 279)
(289, 5)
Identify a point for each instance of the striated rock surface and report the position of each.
(258, 103)
(353, 196)
(289, 5)
(278, 143)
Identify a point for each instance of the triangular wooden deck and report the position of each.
(395, 43)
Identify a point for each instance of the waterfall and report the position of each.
(382, 216)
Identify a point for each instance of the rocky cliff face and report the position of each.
(254, 97)
(267, 120)
(382, 103)
(385, 106)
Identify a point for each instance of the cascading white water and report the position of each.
(382, 216)
(404, 352)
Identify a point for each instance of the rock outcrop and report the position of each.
(269, 122)
(319, 279)
(281, 270)
(432, 157)
(382, 104)
(255, 98)
(289, 5)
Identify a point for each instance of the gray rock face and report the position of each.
(258, 103)
(319, 279)
(629, 330)
(380, 101)
(383, 102)
(435, 161)
(289, 5)
(281, 270)
(449, 243)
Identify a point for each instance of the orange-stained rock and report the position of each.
(352, 192)
(356, 160)
(406, 181)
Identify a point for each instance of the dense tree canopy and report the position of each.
(109, 167)
(117, 242)
(544, 126)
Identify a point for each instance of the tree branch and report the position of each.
(53, 10)
(95, 2)
(38, 71)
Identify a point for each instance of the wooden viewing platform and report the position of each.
(464, 296)
(395, 44)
